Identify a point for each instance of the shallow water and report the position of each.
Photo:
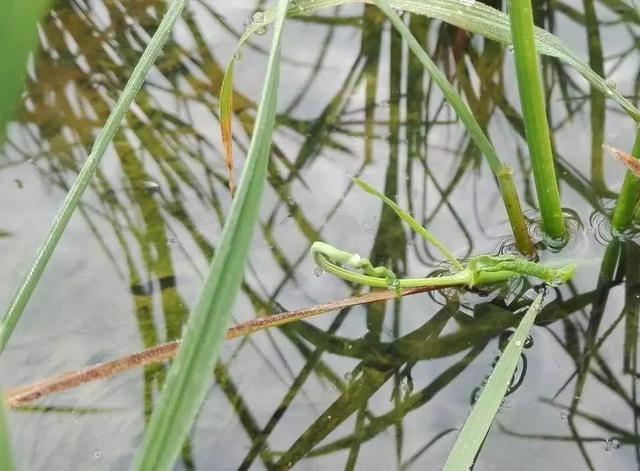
(344, 389)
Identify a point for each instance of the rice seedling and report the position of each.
(535, 120)
(385, 355)
(501, 171)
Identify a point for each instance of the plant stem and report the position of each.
(524, 244)
(628, 198)
(502, 172)
(535, 119)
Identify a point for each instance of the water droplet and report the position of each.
(262, 30)
(97, 454)
(151, 186)
(528, 342)
(237, 56)
(468, 3)
(518, 343)
(611, 86)
(611, 444)
(319, 272)
(393, 284)
(258, 17)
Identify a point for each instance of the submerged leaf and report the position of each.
(226, 107)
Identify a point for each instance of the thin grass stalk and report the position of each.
(501, 171)
(623, 213)
(535, 119)
(190, 376)
(477, 425)
(6, 464)
(43, 255)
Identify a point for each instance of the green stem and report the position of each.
(5, 442)
(524, 244)
(535, 119)
(628, 198)
(481, 270)
(507, 188)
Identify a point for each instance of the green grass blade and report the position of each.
(484, 411)
(30, 280)
(477, 18)
(190, 375)
(415, 225)
(18, 38)
(536, 124)
(507, 188)
(5, 441)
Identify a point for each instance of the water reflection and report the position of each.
(382, 385)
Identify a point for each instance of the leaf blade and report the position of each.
(470, 439)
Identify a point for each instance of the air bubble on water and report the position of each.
(468, 3)
(611, 444)
(97, 454)
(151, 186)
(319, 272)
(611, 86)
(528, 342)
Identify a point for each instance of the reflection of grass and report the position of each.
(154, 229)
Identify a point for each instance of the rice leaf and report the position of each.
(30, 280)
(415, 225)
(477, 18)
(226, 107)
(5, 441)
(190, 375)
(468, 443)
(18, 39)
